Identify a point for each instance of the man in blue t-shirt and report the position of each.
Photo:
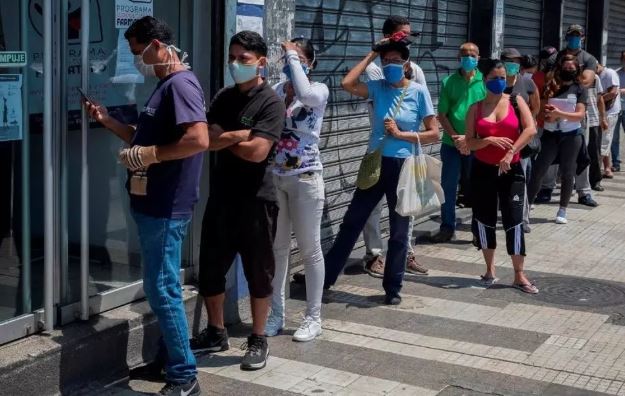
(164, 162)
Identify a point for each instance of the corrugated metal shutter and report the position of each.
(522, 26)
(575, 12)
(343, 32)
(616, 32)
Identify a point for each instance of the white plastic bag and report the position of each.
(419, 189)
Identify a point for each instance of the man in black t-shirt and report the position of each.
(588, 63)
(245, 121)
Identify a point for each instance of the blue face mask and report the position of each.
(468, 63)
(574, 42)
(393, 73)
(496, 86)
(287, 70)
(242, 73)
(512, 68)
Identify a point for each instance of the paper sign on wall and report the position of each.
(128, 11)
(10, 107)
(250, 15)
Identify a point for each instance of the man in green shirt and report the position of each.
(458, 92)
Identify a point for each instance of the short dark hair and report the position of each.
(149, 28)
(393, 22)
(308, 48)
(251, 41)
(487, 65)
(395, 46)
(528, 61)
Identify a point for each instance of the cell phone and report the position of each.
(84, 96)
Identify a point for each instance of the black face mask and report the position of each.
(568, 75)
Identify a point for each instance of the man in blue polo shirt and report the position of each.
(164, 162)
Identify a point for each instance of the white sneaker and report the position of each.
(561, 216)
(308, 330)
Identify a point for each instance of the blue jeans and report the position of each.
(161, 245)
(616, 140)
(361, 206)
(453, 164)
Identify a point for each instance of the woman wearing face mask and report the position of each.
(492, 132)
(399, 107)
(299, 185)
(564, 110)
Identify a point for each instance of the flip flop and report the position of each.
(488, 281)
(528, 288)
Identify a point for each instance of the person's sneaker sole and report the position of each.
(561, 220)
(255, 366)
(415, 272)
(220, 348)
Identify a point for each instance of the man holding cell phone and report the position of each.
(164, 163)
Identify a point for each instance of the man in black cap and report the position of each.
(588, 63)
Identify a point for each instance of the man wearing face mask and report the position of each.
(458, 92)
(574, 41)
(245, 122)
(164, 162)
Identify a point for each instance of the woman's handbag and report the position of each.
(419, 189)
(371, 164)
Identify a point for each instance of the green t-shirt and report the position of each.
(457, 95)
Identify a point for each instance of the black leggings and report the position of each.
(562, 146)
(506, 191)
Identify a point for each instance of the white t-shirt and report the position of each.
(610, 79)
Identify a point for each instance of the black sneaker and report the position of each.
(442, 236)
(191, 388)
(392, 300)
(257, 353)
(587, 201)
(210, 339)
(544, 196)
(598, 187)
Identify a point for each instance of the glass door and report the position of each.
(107, 243)
(21, 165)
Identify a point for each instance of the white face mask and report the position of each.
(148, 69)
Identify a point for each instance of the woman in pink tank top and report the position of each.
(497, 128)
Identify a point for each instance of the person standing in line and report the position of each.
(399, 107)
(584, 182)
(562, 134)
(529, 66)
(546, 63)
(526, 89)
(299, 186)
(492, 132)
(374, 257)
(611, 98)
(616, 139)
(245, 120)
(458, 92)
(164, 163)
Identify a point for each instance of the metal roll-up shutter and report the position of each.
(575, 13)
(343, 33)
(616, 32)
(523, 25)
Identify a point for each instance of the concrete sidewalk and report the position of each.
(453, 336)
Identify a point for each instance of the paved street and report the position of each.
(452, 336)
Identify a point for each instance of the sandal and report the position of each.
(488, 281)
(528, 288)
